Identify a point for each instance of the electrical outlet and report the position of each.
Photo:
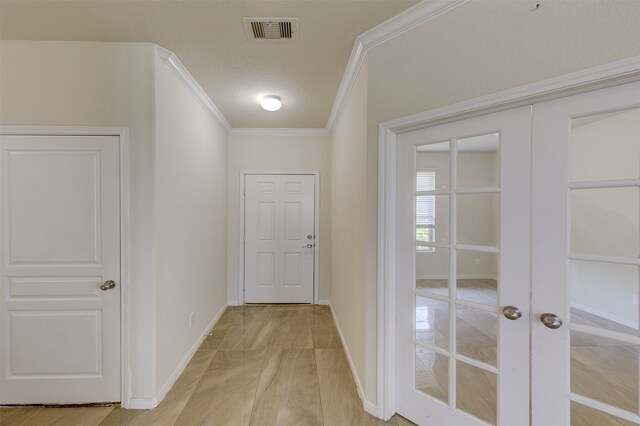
(191, 317)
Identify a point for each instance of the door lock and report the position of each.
(551, 321)
(108, 285)
(512, 313)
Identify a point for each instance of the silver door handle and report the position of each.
(551, 321)
(108, 285)
(308, 246)
(512, 313)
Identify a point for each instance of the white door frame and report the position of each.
(316, 251)
(123, 135)
(620, 72)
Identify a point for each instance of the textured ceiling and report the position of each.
(209, 39)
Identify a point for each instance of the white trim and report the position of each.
(405, 21)
(386, 284)
(615, 73)
(368, 406)
(184, 76)
(316, 251)
(284, 132)
(324, 302)
(356, 59)
(185, 360)
(125, 238)
(233, 303)
(142, 403)
(604, 314)
(460, 277)
(125, 258)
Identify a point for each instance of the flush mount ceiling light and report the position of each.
(271, 103)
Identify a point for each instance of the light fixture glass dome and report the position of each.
(271, 103)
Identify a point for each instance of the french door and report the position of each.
(463, 244)
(518, 265)
(585, 257)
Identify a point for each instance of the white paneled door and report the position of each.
(279, 238)
(462, 257)
(60, 269)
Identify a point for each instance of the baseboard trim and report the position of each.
(603, 314)
(461, 277)
(233, 303)
(324, 302)
(368, 406)
(371, 408)
(141, 403)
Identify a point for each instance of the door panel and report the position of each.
(279, 217)
(462, 255)
(60, 230)
(586, 242)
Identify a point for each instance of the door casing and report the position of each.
(123, 135)
(316, 252)
(616, 73)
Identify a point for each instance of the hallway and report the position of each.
(261, 365)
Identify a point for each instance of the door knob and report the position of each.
(512, 313)
(308, 246)
(108, 285)
(551, 320)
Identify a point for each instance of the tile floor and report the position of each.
(285, 365)
(261, 365)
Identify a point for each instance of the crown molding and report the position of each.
(358, 54)
(184, 76)
(411, 18)
(249, 131)
(599, 77)
(388, 30)
(407, 20)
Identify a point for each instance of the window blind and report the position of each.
(426, 204)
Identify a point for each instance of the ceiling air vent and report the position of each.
(271, 29)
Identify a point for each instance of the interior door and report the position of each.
(60, 228)
(463, 211)
(586, 198)
(279, 238)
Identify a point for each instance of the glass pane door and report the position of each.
(463, 256)
(586, 259)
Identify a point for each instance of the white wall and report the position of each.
(477, 49)
(348, 230)
(191, 213)
(269, 152)
(178, 182)
(98, 84)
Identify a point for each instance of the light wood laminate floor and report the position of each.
(261, 365)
